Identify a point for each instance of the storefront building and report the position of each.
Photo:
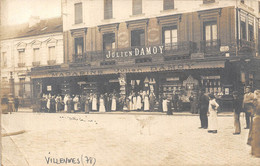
(165, 53)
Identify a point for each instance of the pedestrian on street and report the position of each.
(69, 104)
(134, 102)
(152, 101)
(213, 107)
(165, 103)
(146, 103)
(248, 106)
(87, 105)
(255, 141)
(76, 103)
(102, 104)
(82, 102)
(58, 103)
(203, 109)
(193, 103)
(11, 104)
(52, 104)
(16, 103)
(237, 106)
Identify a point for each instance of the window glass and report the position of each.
(78, 13)
(137, 7)
(79, 46)
(109, 41)
(4, 59)
(52, 55)
(170, 37)
(137, 38)
(168, 4)
(21, 55)
(36, 54)
(214, 32)
(108, 9)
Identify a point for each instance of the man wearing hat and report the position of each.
(203, 109)
(237, 107)
(248, 106)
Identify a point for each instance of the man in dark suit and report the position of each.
(203, 109)
(248, 106)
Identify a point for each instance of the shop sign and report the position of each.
(49, 88)
(152, 50)
(76, 73)
(197, 56)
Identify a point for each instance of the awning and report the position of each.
(128, 69)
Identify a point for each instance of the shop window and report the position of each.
(4, 59)
(137, 38)
(108, 9)
(143, 60)
(78, 13)
(168, 4)
(52, 55)
(109, 41)
(170, 37)
(243, 30)
(137, 7)
(210, 33)
(79, 46)
(36, 54)
(208, 1)
(21, 54)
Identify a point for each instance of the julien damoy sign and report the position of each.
(134, 52)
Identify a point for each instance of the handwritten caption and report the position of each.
(78, 119)
(82, 160)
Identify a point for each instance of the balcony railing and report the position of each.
(37, 63)
(245, 45)
(21, 64)
(210, 46)
(208, 1)
(166, 50)
(180, 48)
(51, 62)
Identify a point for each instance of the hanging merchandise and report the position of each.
(138, 82)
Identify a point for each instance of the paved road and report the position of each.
(121, 140)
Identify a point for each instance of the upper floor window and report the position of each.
(137, 7)
(247, 28)
(21, 54)
(36, 54)
(168, 4)
(259, 6)
(242, 1)
(250, 32)
(79, 46)
(52, 55)
(208, 1)
(108, 9)
(78, 13)
(210, 33)
(4, 59)
(243, 30)
(170, 37)
(138, 37)
(109, 41)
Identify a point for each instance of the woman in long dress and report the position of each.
(139, 102)
(65, 103)
(48, 104)
(94, 102)
(130, 102)
(165, 104)
(146, 103)
(213, 121)
(76, 102)
(113, 105)
(102, 104)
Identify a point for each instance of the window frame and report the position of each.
(21, 57)
(54, 53)
(4, 59)
(111, 44)
(170, 28)
(140, 40)
(78, 19)
(76, 44)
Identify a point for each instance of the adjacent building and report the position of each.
(160, 46)
(37, 43)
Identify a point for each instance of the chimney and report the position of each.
(33, 21)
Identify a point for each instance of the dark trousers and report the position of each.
(248, 119)
(204, 119)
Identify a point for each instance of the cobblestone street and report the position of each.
(121, 140)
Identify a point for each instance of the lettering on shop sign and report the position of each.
(82, 160)
(172, 67)
(81, 73)
(152, 50)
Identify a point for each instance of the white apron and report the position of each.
(94, 104)
(139, 102)
(102, 105)
(113, 106)
(164, 105)
(146, 103)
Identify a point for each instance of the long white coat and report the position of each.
(213, 121)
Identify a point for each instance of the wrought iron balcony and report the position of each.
(210, 46)
(246, 45)
(36, 63)
(179, 48)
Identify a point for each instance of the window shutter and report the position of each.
(108, 9)
(78, 13)
(137, 7)
(168, 4)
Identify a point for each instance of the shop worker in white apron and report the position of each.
(94, 102)
(113, 104)
(213, 121)
(146, 103)
(102, 104)
(139, 102)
